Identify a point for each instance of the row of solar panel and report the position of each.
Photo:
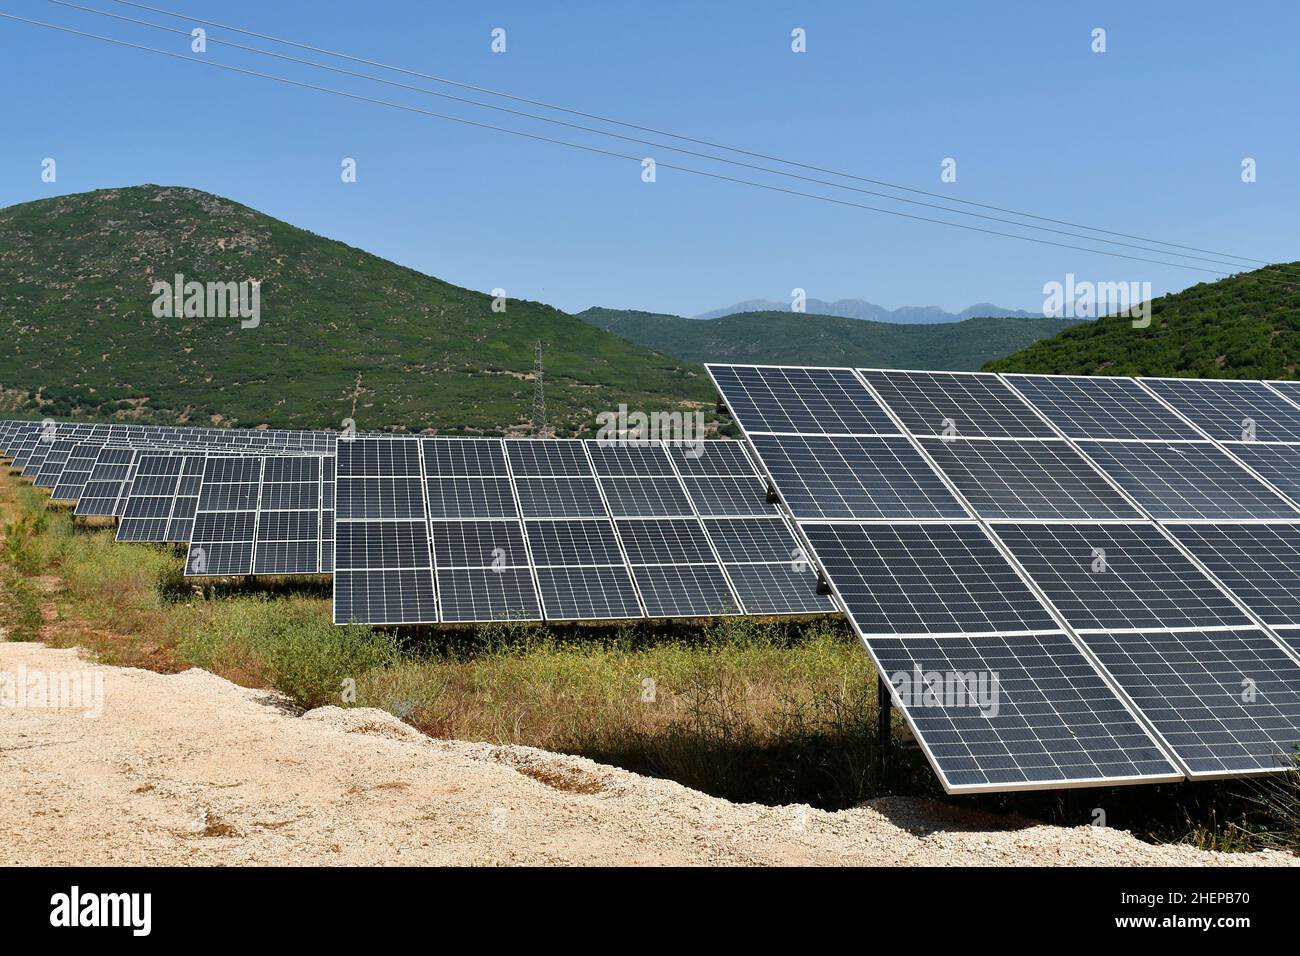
(967, 530)
(472, 530)
(566, 561)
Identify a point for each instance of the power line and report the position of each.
(605, 152)
(632, 139)
(660, 132)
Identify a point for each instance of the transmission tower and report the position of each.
(539, 395)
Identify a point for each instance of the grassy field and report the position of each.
(755, 712)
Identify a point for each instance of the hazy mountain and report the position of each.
(862, 309)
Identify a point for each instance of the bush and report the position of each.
(291, 645)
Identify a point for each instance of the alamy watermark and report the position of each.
(180, 299)
(1074, 299)
(672, 428)
(949, 690)
(25, 689)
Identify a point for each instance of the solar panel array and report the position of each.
(442, 530)
(1123, 548)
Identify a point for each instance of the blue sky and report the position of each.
(1147, 138)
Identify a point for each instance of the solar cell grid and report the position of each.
(1186, 480)
(925, 578)
(712, 458)
(478, 544)
(1279, 465)
(958, 404)
(842, 477)
(728, 496)
(1100, 407)
(464, 457)
(1027, 479)
(1227, 702)
(750, 540)
(806, 400)
(779, 588)
(471, 595)
(684, 590)
(575, 497)
(548, 458)
(1259, 563)
(587, 593)
(573, 543)
(1229, 410)
(470, 498)
(383, 565)
(225, 523)
(1055, 720)
(1103, 576)
(665, 541)
(632, 459)
(645, 497)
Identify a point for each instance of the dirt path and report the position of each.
(189, 768)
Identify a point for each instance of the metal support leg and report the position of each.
(884, 727)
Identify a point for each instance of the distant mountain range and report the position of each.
(862, 309)
(787, 338)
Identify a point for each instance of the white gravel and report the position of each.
(191, 769)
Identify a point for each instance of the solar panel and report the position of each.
(471, 498)
(1027, 479)
(789, 587)
(807, 400)
(1231, 410)
(49, 466)
(845, 477)
(151, 497)
(711, 458)
(645, 497)
(288, 537)
(1045, 718)
(76, 470)
(685, 590)
(748, 540)
(578, 542)
(1104, 576)
(634, 459)
(665, 541)
(1279, 465)
(225, 523)
(956, 404)
(1186, 480)
(925, 578)
(1226, 702)
(548, 458)
(383, 564)
(102, 493)
(587, 593)
(559, 497)
(1100, 407)
(1259, 563)
(728, 496)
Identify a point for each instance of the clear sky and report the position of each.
(1146, 138)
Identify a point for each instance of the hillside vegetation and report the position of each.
(805, 339)
(81, 339)
(1244, 326)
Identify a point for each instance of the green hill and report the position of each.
(803, 339)
(1244, 326)
(81, 338)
